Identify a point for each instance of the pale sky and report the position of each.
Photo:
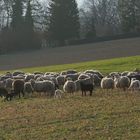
(79, 2)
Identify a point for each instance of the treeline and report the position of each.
(32, 24)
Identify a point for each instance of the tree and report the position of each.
(87, 22)
(129, 11)
(31, 40)
(104, 15)
(29, 23)
(127, 14)
(17, 15)
(63, 20)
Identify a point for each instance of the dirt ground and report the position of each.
(71, 54)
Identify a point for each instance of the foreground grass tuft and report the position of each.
(103, 116)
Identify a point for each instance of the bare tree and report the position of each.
(105, 15)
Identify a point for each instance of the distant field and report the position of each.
(71, 54)
(105, 66)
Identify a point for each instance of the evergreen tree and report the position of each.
(30, 37)
(17, 15)
(29, 23)
(63, 20)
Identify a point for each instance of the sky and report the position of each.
(78, 1)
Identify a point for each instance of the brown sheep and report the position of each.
(18, 87)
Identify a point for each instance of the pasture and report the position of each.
(107, 115)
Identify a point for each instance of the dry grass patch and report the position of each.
(105, 115)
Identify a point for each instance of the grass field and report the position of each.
(107, 115)
(105, 66)
(104, 116)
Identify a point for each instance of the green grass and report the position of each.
(105, 66)
(104, 116)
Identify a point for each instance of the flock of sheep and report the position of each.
(54, 84)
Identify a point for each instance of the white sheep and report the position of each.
(48, 87)
(2, 84)
(83, 76)
(28, 77)
(8, 84)
(74, 76)
(16, 73)
(61, 80)
(99, 74)
(58, 93)
(107, 83)
(69, 86)
(122, 82)
(135, 85)
(77, 83)
(28, 87)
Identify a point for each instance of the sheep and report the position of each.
(38, 86)
(38, 73)
(28, 87)
(69, 86)
(3, 92)
(44, 86)
(37, 76)
(3, 77)
(122, 82)
(54, 80)
(16, 73)
(83, 76)
(135, 85)
(63, 73)
(137, 77)
(7, 96)
(49, 87)
(9, 74)
(107, 83)
(61, 80)
(97, 80)
(58, 93)
(74, 77)
(40, 79)
(18, 87)
(77, 83)
(8, 83)
(22, 77)
(131, 73)
(114, 74)
(2, 84)
(87, 80)
(71, 71)
(94, 72)
(125, 73)
(86, 85)
(28, 77)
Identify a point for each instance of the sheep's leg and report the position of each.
(10, 97)
(23, 94)
(19, 95)
(82, 93)
(91, 93)
(85, 93)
